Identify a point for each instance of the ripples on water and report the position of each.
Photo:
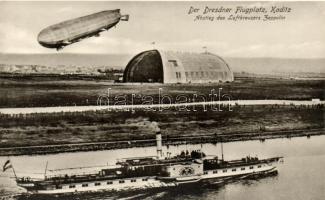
(301, 176)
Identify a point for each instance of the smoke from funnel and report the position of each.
(154, 127)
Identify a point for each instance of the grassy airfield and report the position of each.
(45, 93)
(242, 123)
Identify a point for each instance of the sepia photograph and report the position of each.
(162, 100)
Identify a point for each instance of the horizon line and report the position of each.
(68, 53)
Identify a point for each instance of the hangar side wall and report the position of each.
(170, 69)
(195, 68)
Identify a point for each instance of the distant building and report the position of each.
(177, 67)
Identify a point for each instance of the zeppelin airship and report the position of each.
(71, 31)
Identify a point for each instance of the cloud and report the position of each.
(195, 45)
(16, 39)
(313, 49)
(106, 44)
(65, 9)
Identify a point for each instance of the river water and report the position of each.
(301, 176)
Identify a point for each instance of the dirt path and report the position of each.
(15, 111)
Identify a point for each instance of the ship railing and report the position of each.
(80, 170)
(84, 167)
(77, 176)
(63, 173)
(137, 158)
(236, 163)
(159, 162)
(72, 175)
(27, 179)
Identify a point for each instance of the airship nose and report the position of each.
(44, 38)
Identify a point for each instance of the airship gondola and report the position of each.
(71, 31)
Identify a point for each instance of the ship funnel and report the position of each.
(154, 127)
(159, 145)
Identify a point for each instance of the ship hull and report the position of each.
(138, 183)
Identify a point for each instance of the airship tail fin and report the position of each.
(125, 17)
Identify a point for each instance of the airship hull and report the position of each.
(74, 30)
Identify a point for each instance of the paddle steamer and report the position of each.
(153, 172)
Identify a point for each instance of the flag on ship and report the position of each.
(7, 165)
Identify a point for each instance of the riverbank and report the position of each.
(200, 139)
(45, 133)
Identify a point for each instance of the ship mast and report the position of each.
(45, 169)
(222, 151)
(13, 169)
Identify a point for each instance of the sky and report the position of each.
(168, 24)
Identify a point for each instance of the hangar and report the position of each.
(177, 67)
